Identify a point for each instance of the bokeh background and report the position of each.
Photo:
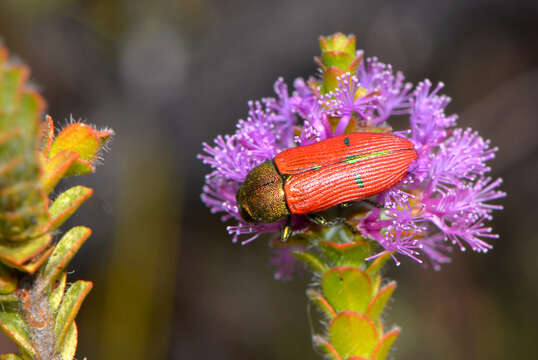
(170, 74)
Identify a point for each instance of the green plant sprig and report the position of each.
(350, 295)
(37, 309)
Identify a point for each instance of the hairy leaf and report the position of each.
(347, 288)
(10, 357)
(69, 307)
(353, 334)
(68, 347)
(17, 254)
(13, 325)
(64, 251)
(377, 264)
(8, 280)
(326, 347)
(383, 347)
(312, 260)
(347, 254)
(57, 292)
(67, 203)
(321, 302)
(380, 300)
(56, 168)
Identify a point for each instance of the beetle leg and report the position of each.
(286, 230)
(320, 220)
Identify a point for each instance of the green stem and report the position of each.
(350, 294)
(35, 307)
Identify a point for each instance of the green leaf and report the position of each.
(56, 168)
(338, 42)
(356, 254)
(346, 254)
(35, 263)
(8, 298)
(10, 357)
(326, 347)
(69, 307)
(13, 325)
(376, 284)
(8, 280)
(68, 347)
(83, 140)
(339, 234)
(17, 254)
(312, 260)
(383, 347)
(347, 289)
(353, 334)
(377, 264)
(29, 219)
(320, 301)
(80, 167)
(67, 203)
(13, 78)
(57, 292)
(380, 300)
(64, 251)
(22, 204)
(330, 79)
(25, 356)
(337, 59)
(330, 250)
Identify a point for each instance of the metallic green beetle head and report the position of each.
(261, 196)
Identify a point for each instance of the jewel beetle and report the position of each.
(312, 178)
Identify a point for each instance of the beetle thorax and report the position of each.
(261, 196)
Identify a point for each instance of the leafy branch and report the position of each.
(349, 294)
(38, 309)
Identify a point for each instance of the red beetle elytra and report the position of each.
(316, 177)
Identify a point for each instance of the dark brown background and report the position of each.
(167, 75)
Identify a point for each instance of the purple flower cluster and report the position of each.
(445, 199)
(268, 129)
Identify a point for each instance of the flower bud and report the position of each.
(338, 56)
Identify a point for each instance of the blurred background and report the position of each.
(170, 74)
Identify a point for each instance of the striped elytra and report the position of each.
(319, 176)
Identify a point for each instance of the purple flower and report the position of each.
(392, 91)
(427, 115)
(446, 196)
(443, 202)
(267, 130)
(349, 100)
(401, 242)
